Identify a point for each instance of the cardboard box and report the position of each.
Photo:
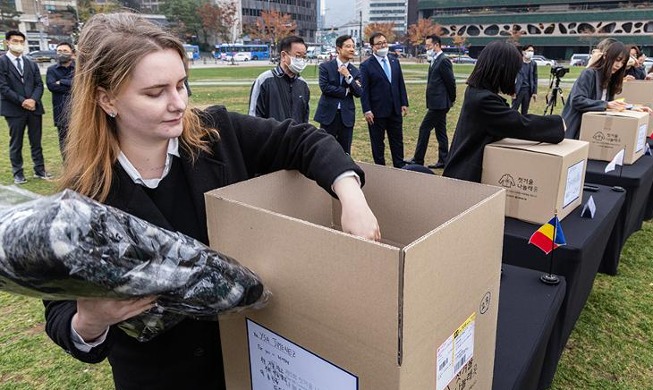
(348, 313)
(608, 132)
(639, 92)
(540, 179)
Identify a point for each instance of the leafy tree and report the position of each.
(272, 26)
(418, 32)
(386, 29)
(459, 41)
(218, 20)
(183, 17)
(8, 15)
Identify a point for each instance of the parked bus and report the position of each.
(259, 52)
(192, 52)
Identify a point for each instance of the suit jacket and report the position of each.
(188, 355)
(383, 98)
(532, 81)
(585, 96)
(441, 84)
(14, 89)
(486, 117)
(335, 92)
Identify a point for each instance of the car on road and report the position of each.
(43, 56)
(464, 59)
(579, 59)
(242, 56)
(543, 61)
(648, 63)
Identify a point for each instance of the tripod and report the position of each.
(552, 95)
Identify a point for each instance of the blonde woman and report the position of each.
(134, 144)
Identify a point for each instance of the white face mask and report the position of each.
(429, 54)
(382, 52)
(16, 48)
(297, 65)
(528, 55)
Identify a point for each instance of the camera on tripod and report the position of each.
(559, 71)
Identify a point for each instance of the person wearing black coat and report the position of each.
(595, 88)
(486, 117)
(59, 80)
(136, 146)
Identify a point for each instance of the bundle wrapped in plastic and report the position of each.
(68, 246)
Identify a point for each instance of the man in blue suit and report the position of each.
(340, 81)
(384, 101)
(440, 96)
(21, 89)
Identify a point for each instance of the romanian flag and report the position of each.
(549, 236)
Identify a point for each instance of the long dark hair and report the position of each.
(617, 51)
(497, 68)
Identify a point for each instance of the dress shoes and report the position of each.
(20, 179)
(438, 165)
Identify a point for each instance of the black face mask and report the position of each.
(64, 58)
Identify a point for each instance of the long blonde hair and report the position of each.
(110, 46)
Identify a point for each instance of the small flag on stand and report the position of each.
(617, 160)
(549, 236)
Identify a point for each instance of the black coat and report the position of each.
(188, 356)
(60, 91)
(486, 117)
(585, 96)
(14, 89)
(441, 84)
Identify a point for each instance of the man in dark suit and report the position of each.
(440, 96)
(340, 81)
(384, 101)
(59, 80)
(21, 89)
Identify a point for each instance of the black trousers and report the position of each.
(342, 133)
(17, 126)
(522, 99)
(434, 119)
(62, 131)
(394, 126)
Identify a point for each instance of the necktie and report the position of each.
(19, 64)
(386, 68)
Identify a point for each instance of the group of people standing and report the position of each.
(282, 93)
(21, 89)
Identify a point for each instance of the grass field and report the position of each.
(610, 348)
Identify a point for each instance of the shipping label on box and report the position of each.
(540, 179)
(609, 132)
(349, 312)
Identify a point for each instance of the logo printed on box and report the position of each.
(598, 136)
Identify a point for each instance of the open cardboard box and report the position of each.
(416, 311)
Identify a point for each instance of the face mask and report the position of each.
(528, 55)
(382, 52)
(297, 65)
(16, 48)
(430, 54)
(63, 58)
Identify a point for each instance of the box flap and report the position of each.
(563, 148)
(624, 114)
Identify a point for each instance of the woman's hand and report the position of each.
(357, 218)
(617, 105)
(94, 316)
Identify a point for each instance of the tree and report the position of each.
(9, 17)
(418, 32)
(515, 34)
(218, 20)
(387, 29)
(183, 17)
(459, 41)
(272, 26)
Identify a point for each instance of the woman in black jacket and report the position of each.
(486, 117)
(134, 144)
(595, 88)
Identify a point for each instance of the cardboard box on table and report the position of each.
(638, 92)
(608, 132)
(355, 313)
(540, 179)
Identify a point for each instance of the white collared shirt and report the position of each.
(13, 58)
(173, 150)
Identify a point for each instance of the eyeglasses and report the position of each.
(381, 43)
(64, 52)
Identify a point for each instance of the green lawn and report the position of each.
(610, 348)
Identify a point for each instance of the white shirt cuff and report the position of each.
(82, 345)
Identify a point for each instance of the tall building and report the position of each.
(46, 22)
(303, 13)
(556, 28)
(384, 11)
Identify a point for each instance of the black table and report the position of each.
(649, 207)
(528, 311)
(578, 261)
(637, 179)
